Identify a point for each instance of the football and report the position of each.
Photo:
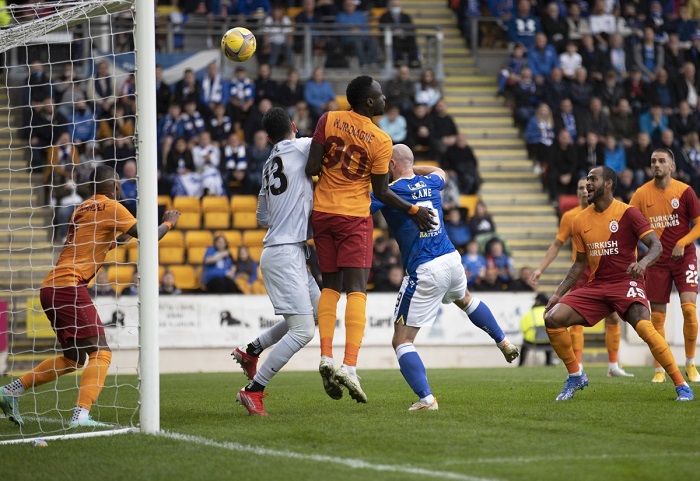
(238, 44)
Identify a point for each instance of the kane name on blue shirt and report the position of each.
(417, 247)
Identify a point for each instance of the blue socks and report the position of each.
(480, 315)
(413, 370)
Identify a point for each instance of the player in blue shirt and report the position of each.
(434, 272)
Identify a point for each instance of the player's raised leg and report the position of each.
(247, 355)
(612, 344)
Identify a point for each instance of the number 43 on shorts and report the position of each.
(636, 291)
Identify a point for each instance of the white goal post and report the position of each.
(24, 223)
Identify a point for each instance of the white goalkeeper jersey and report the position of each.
(286, 197)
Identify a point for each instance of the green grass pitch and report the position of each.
(493, 424)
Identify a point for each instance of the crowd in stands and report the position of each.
(604, 83)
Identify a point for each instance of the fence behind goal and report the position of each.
(67, 104)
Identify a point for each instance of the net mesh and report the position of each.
(68, 105)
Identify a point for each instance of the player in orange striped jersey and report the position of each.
(605, 237)
(351, 154)
(94, 229)
(612, 322)
(670, 206)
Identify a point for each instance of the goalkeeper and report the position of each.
(92, 231)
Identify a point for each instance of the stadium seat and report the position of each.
(185, 277)
(567, 202)
(377, 233)
(195, 255)
(233, 237)
(174, 238)
(165, 201)
(132, 251)
(429, 163)
(212, 203)
(198, 238)
(189, 220)
(254, 237)
(171, 255)
(116, 256)
(120, 276)
(186, 204)
(342, 102)
(161, 270)
(244, 220)
(292, 12)
(244, 203)
(255, 253)
(217, 220)
(469, 202)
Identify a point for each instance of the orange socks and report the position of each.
(93, 378)
(612, 341)
(576, 333)
(658, 319)
(327, 315)
(48, 370)
(660, 350)
(690, 328)
(561, 342)
(355, 320)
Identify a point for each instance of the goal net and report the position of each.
(68, 103)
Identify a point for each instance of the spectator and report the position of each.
(539, 136)
(524, 25)
(40, 87)
(498, 258)
(234, 165)
(523, 282)
(356, 38)
(241, 95)
(510, 76)
(526, 96)
(636, 92)
(115, 124)
(592, 58)
(684, 122)
(101, 89)
(625, 125)
(127, 94)
(170, 127)
(685, 25)
(220, 125)
(428, 90)
(214, 89)
(193, 123)
(46, 124)
(401, 90)
(385, 255)
(648, 56)
(624, 188)
(309, 15)
(460, 163)
(657, 22)
(188, 88)
(542, 58)
(491, 282)
(394, 124)
(318, 94)
(256, 154)
(674, 56)
(61, 155)
(457, 230)
(691, 156)
(556, 89)
(302, 119)
(405, 48)
(291, 91)
(529, 323)
(254, 7)
(578, 26)
(609, 92)
(661, 92)
(444, 133)
(570, 60)
(180, 171)
(66, 195)
(277, 38)
(614, 154)
(133, 288)
(68, 90)
(638, 158)
(129, 186)
(219, 270)
(474, 264)
(419, 128)
(254, 121)
(246, 271)
(207, 158)
(481, 222)
(595, 120)
(265, 86)
(590, 155)
(83, 127)
(565, 119)
(563, 160)
(168, 286)
(617, 57)
(653, 122)
(163, 93)
(101, 286)
(687, 86)
(555, 27)
(603, 22)
(392, 281)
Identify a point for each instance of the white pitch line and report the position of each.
(348, 462)
(549, 459)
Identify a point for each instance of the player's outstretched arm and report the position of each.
(313, 163)
(169, 220)
(636, 270)
(420, 215)
(429, 169)
(550, 255)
